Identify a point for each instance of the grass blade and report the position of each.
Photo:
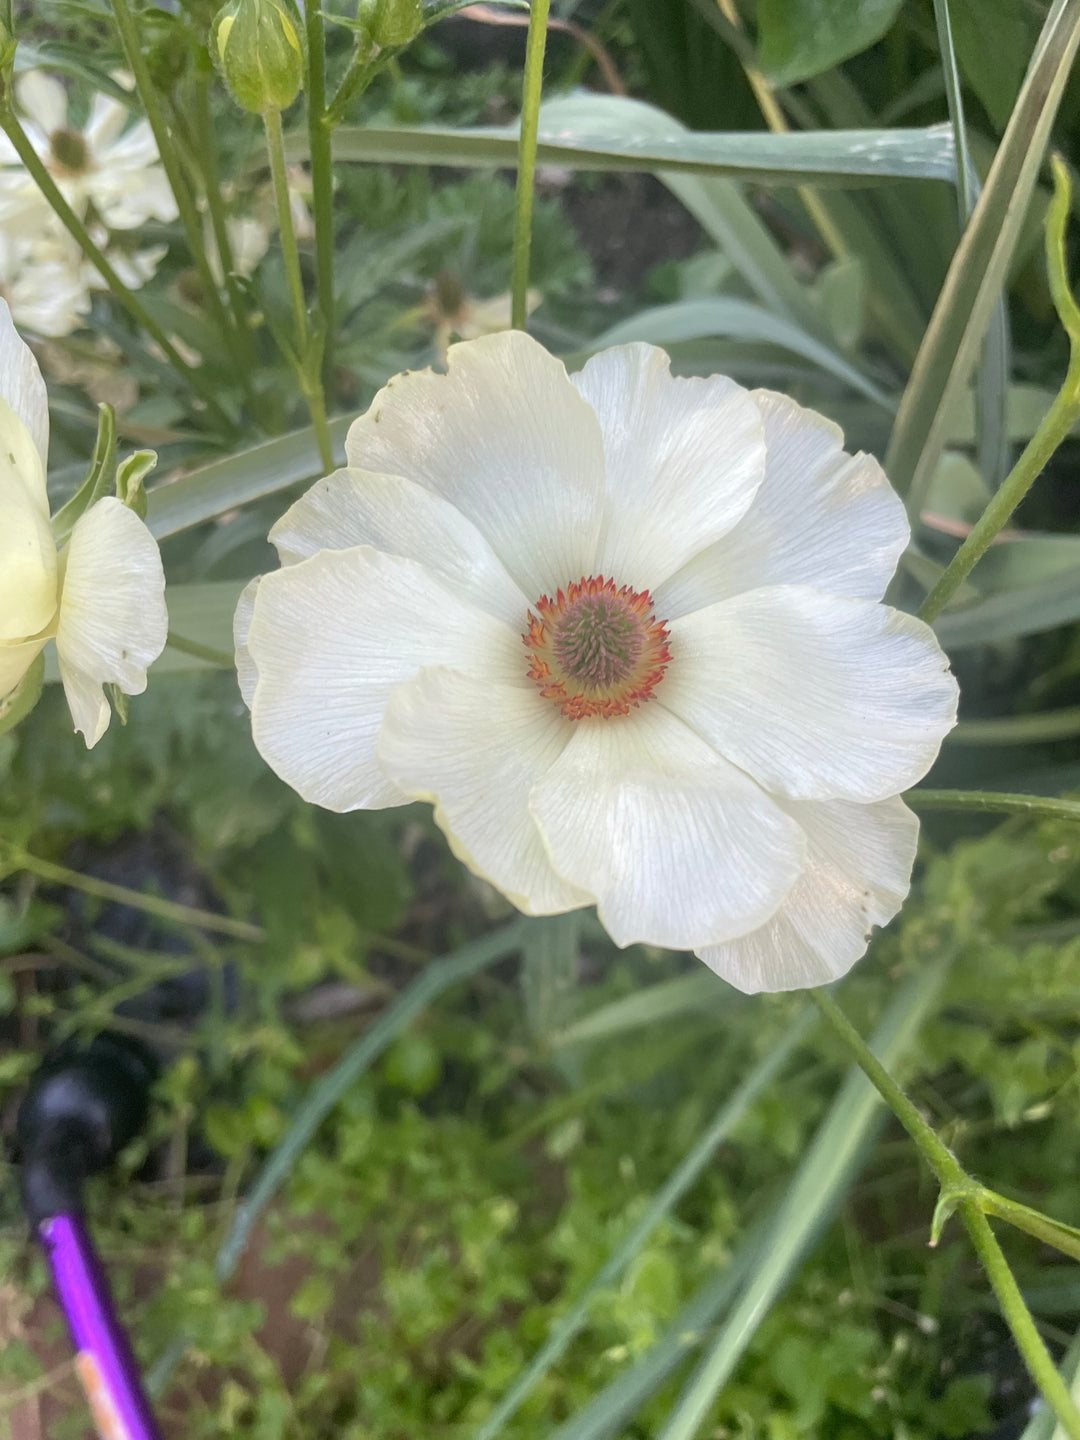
(611, 132)
(978, 269)
(736, 319)
(223, 484)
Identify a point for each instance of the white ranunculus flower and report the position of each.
(101, 598)
(46, 288)
(108, 163)
(624, 631)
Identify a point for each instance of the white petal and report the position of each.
(683, 459)
(858, 871)
(399, 517)
(330, 638)
(44, 99)
(819, 697)
(28, 567)
(106, 120)
(475, 748)
(246, 673)
(506, 438)
(15, 661)
(22, 387)
(113, 622)
(679, 848)
(821, 517)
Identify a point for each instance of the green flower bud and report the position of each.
(259, 47)
(389, 24)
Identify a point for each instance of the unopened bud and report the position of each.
(389, 24)
(258, 46)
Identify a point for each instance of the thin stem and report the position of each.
(1043, 726)
(38, 171)
(310, 380)
(994, 802)
(774, 118)
(961, 1192)
(220, 658)
(353, 84)
(526, 171)
(322, 187)
(150, 904)
(170, 161)
(1056, 424)
(216, 207)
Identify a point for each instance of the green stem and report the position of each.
(275, 145)
(1044, 726)
(220, 658)
(121, 895)
(353, 84)
(526, 170)
(1055, 427)
(36, 168)
(310, 381)
(994, 802)
(216, 208)
(322, 186)
(189, 215)
(1056, 424)
(961, 1192)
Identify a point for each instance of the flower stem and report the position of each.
(308, 373)
(995, 802)
(322, 189)
(38, 171)
(526, 170)
(961, 1192)
(150, 904)
(1056, 424)
(218, 658)
(216, 208)
(189, 215)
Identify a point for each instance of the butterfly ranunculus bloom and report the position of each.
(101, 597)
(624, 631)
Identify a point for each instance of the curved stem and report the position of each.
(38, 171)
(1056, 424)
(994, 802)
(322, 187)
(526, 171)
(149, 904)
(961, 1192)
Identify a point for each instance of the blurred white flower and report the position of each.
(101, 598)
(43, 283)
(623, 630)
(456, 314)
(249, 234)
(107, 164)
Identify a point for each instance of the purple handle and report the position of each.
(104, 1360)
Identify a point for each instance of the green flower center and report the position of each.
(599, 641)
(70, 152)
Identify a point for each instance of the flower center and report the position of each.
(70, 152)
(596, 650)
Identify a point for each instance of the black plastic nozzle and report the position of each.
(83, 1106)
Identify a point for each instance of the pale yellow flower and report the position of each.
(101, 598)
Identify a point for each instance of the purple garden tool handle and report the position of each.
(103, 1358)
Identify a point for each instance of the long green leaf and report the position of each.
(736, 319)
(619, 134)
(223, 484)
(666, 1198)
(822, 1179)
(685, 994)
(1024, 611)
(977, 273)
